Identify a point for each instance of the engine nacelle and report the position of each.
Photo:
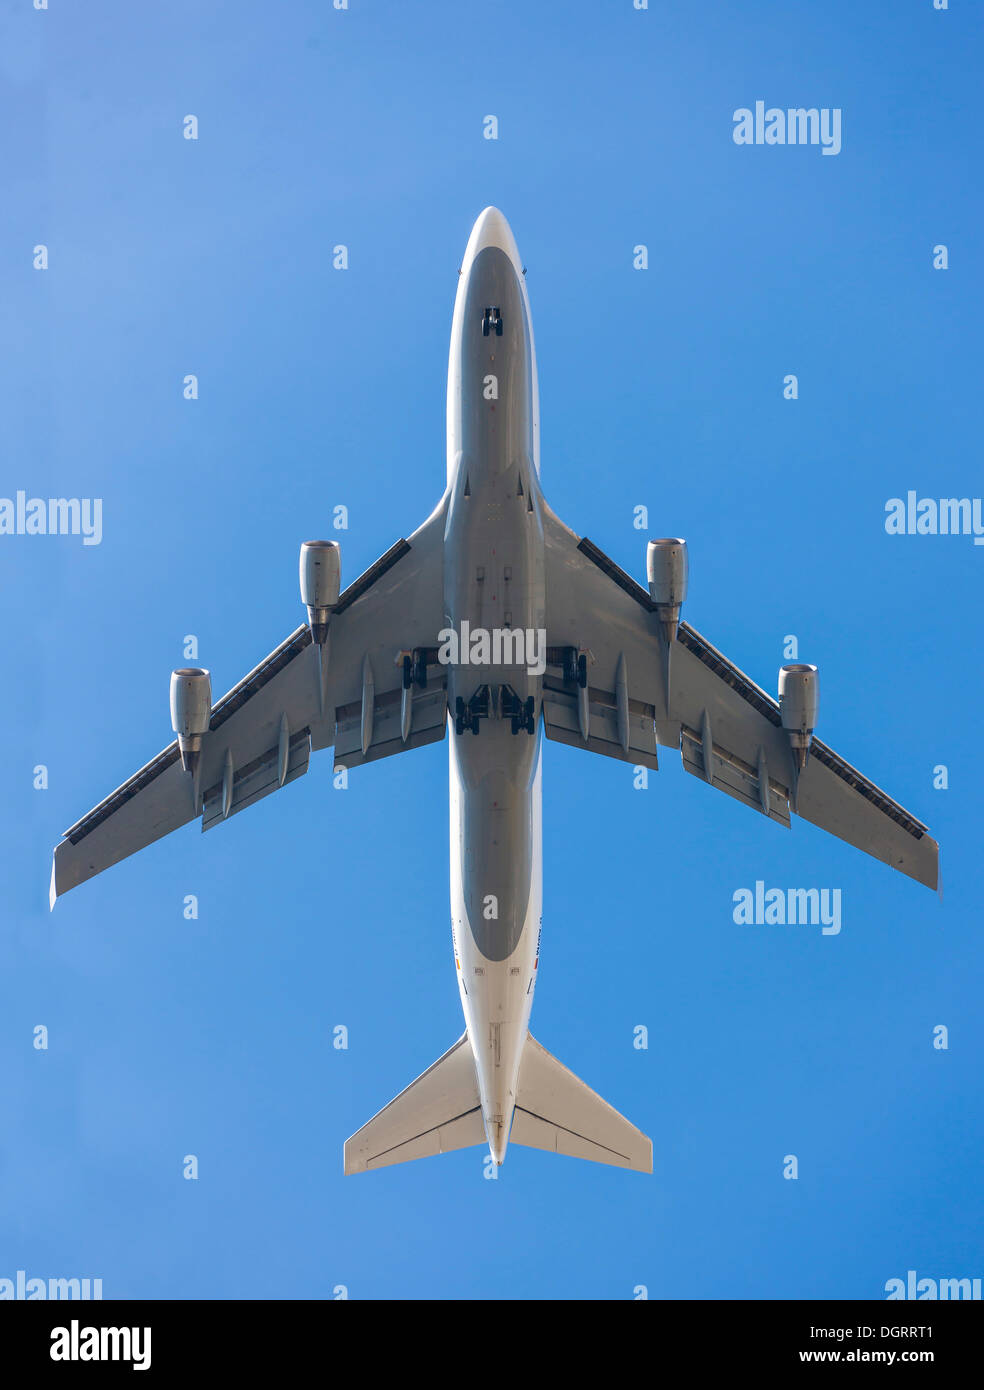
(668, 569)
(799, 704)
(191, 710)
(321, 581)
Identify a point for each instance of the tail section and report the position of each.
(438, 1112)
(442, 1111)
(557, 1112)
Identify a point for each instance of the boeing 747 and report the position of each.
(496, 621)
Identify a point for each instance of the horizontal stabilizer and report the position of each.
(557, 1112)
(438, 1112)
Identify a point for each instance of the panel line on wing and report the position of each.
(269, 756)
(745, 687)
(728, 672)
(222, 710)
(867, 789)
(375, 571)
(616, 574)
(442, 1124)
(123, 793)
(260, 676)
(565, 1129)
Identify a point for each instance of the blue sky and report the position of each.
(321, 387)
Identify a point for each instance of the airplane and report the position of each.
(496, 622)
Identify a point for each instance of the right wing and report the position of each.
(261, 733)
(728, 730)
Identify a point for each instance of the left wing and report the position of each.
(728, 730)
(261, 733)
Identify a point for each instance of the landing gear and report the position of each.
(506, 704)
(492, 319)
(420, 668)
(573, 663)
(521, 713)
(415, 667)
(466, 716)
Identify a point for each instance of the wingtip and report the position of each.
(52, 888)
(644, 1162)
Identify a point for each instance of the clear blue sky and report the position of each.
(321, 387)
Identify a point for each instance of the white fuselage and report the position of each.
(494, 583)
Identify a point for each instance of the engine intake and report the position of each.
(667, 569)
(799, 703)
(321, 580)
(191, 710)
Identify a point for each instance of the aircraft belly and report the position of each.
(497, 932)
(495, 607)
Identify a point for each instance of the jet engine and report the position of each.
(321, 580)
(799, 701)
(667, 570)
(191, 709)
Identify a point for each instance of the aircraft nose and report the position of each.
(492, 230)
